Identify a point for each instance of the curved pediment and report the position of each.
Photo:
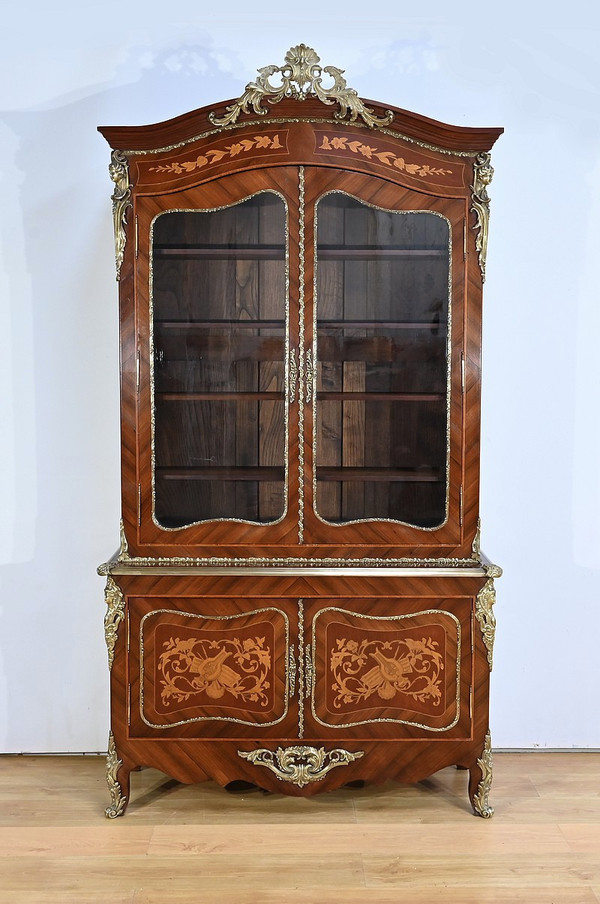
(299, 90)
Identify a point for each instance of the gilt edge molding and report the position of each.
(115, 613)
(121, 199)
(483, 173)
(484, 614)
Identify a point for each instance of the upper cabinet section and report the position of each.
(300, 276)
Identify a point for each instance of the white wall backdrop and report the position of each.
(67, 67)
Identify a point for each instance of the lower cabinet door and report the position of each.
(389, 668)
(206, 667)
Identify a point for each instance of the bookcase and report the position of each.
(299, 600)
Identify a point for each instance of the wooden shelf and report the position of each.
(220, 396)
(210, 324)
(378, 474)
(321, 396)
(220, 252)
(380, 324)
(280, 324)
(364, 252)
(277, 252)
(381, 396)
(222, 473)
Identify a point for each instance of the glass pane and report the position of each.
(382, 318)
(219, 300)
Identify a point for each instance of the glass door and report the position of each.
(217, 460)
(219, 348)
(382, 315)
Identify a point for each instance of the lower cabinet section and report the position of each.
(299, 682)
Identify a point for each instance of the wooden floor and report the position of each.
(387, 844)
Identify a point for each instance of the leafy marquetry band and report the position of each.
(301, 77)
(389, 158)
(300, 765)
(216, 155)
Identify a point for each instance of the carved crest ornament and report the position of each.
(301, 77)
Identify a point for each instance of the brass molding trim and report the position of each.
(301, 672)
(486, 618)
(492, 571)
(292, 671)
(256, 565)
(483, 173)
(115, 602)
(292, 374)
(301, 77)
(481, 804)
(123, 546)
(300, 765)
(311, 120)
(121, 201)
(310, 375)
(302, 363)
(113, 764)
(476, 548)
(309, 671)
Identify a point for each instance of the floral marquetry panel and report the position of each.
(407, 669)
(203, 673)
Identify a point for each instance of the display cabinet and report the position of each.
(299, 600)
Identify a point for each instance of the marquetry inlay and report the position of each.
(407, 666)
(191, 667)
(250, 145)
(373, 151)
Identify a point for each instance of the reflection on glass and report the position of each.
(382, 312)
(219, 328)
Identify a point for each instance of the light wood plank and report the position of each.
(76, 841)
(582, 838)
(370, 840)
(484, 871)
(182, 844)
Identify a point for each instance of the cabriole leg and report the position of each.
(119, 791)
(480, 781)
